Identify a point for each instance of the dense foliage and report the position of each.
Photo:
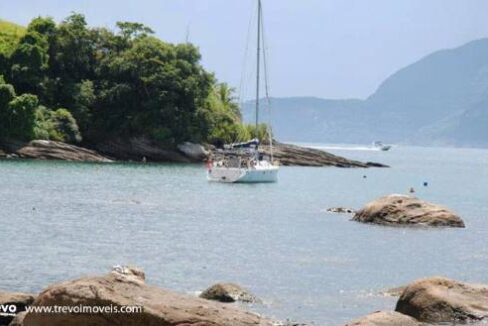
(109, 85)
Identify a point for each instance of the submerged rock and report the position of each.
(385, 318)
(341, 210)
(404, 210)
(228, 292)
(439, 299)
(122, 288)
(376, 165)
(19, 300)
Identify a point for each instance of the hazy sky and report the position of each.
(323, 48)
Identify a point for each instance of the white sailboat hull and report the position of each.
(243, 175)
(246, 165)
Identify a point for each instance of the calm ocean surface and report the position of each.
(61, 220)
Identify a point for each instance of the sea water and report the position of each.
(61, 221)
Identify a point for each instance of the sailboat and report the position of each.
(242, 162)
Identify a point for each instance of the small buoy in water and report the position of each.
(412, 190)
(426, 184)
(364, 176)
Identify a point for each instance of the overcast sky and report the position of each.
(323, 48)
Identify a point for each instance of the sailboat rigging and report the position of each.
(243, 162)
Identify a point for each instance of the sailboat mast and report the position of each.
(258, 61)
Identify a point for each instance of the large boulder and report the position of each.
(194, 151)
(53, 150)
(404, 210)
(228, 292)
(122, 288)
(385, 318)
(13, 303)
(440, 299)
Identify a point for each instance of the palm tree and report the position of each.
(226, 96)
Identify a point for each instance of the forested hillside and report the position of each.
(74, 83)
(441, 99)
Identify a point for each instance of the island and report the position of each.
(73, 92)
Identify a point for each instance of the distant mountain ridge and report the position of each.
(441, 99)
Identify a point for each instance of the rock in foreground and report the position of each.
(385, 318)
(19, 300)
(228, 292)
(440, 299)
(160, 307)
(404, 210)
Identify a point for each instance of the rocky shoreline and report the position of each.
(402, 211)
(50, 150)
(292, 155)
(126, 287)
(433, 301)
(144, 150)
(424, 302)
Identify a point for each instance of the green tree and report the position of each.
(83, 100)
(113, 85)
(153, 89)
(20, 117)
(44, 26)
(228, 100)
(58, 125)
(131, 30)
(29, 62)
(7, 94)
(71, 60)
(43, 127)
(66, 126)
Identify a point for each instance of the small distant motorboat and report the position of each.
(379, 145)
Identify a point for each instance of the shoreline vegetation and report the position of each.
(124, 95)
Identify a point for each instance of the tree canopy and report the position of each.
(76, 82)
